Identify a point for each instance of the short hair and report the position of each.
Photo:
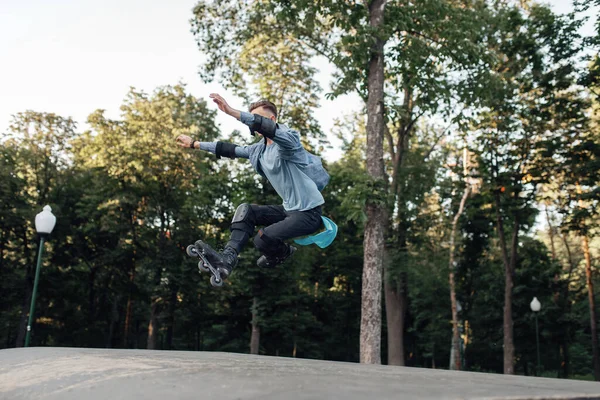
(263, 103)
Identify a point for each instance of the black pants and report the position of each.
(279, 225)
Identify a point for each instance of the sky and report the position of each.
(71, 57)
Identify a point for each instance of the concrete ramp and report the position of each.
(69, 373)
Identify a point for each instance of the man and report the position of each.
(296, 175)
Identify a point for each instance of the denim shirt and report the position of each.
(298, 184)
(290, 149)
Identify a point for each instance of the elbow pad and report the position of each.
(225, 149)
(264, 126)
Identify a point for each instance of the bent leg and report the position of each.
(270, 240)
(245, 219)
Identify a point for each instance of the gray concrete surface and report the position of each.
(68, 373)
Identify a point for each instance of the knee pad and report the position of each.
(268, 245)
(243, 219)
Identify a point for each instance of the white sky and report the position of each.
(72, 57)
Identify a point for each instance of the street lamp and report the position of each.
(44, 223)
(536, 306)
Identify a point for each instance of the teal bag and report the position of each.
(321, 239)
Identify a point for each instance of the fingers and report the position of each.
(221, 103)
(217, 98)
(183, 140)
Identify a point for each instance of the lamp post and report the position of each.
(536, 306)
(44, 223)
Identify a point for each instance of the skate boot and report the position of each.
(230, 259)
(224, 261)
(270, 261)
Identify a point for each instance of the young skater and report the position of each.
(297, 175)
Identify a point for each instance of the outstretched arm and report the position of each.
(219, 148)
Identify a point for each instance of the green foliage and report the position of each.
(128, 200)
(258, 63)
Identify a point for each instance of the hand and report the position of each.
(184, 141)
(223, 106)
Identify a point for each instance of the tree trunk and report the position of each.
(197, 338)
(509, 344)
(8, 334)
(395, 308)
(396, 301)
(550, 234)
(171, 318)
(370, 324)
(509, 348)
(22, 332)
(153, 325)
(570, 269)
(114, 319)
(593, 323)
(2, 245)
(133, 223)
(91, 296)
(455, 363)
(255, 336)
(566, 359)
(128, 308)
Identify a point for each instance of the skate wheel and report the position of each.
(215, 282)
(191, 251)
(202, 266)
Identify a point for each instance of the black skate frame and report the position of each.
(205, 266)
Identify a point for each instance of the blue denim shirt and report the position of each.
(297, 175)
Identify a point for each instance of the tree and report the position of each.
(352, 36)
(40, 142)
(14, 210)
(455, 362)
(577, 180)
(536, 70)
(158, 190)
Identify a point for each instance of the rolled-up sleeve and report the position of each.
(247, 118)
(242, 152)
